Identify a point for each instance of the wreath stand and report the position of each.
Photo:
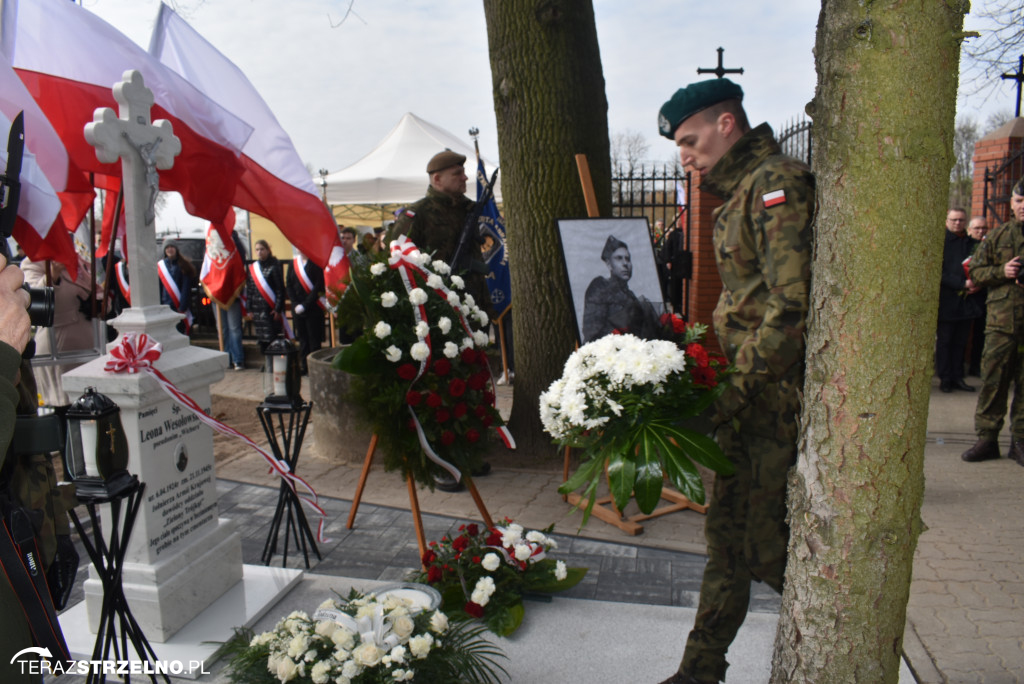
(414, 502)
(604, 506)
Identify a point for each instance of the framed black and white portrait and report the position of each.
(613, 277)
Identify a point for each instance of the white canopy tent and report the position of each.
(395, 172)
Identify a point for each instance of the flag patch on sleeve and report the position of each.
(772, 199)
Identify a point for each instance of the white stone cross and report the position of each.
(143, 148)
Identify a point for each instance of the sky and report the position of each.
(339, 81)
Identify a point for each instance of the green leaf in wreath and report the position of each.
(702, 403)
(550, 585)
(621, 475)
(684, 475)
(585, 473)
(357, 358)
(506, 620)
(702, 449)
(649, 476)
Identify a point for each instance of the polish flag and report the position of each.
(39, 228)
(70, 59)
(223, 271)
(275, 183)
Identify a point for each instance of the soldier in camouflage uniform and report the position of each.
(996, 265)
(762, 240)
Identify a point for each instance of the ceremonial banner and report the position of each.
(223, 271)
(499, 280)
(69, 59)
(274, 183)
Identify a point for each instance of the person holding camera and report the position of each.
(997, 266)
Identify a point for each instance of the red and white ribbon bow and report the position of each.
(138, 352)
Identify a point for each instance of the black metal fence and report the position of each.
(999, 182)
(795, 139)
(659, 193)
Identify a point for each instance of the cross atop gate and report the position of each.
(719, 70)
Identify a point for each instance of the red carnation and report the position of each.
(442, 415)
(460, 409)
(704, 377)
(473, 609)
(473, 530)
(472, 436)
(407, 371)
(460, 543)
(457, 387)
(447, 437)
(697, 352)
(429, 557)
(469, 355)
(433, 574)
(442, 367)
(480, 411)
(494, 538)
(413, 398)
(478, 381)
(434, 400)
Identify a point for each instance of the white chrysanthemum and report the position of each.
(422, 329)
(343, 638)
(480, 338)
(444, 324)
(491, 562)
(468, 300)
(522, 552)
(441, 267)
(298, 646)
(419, 351)
(420, 645)
(451, 350)
(381, 330)
(458, 282)
(537, 537)
(393, 354)
(321, 672)
(398, 653)
(417, 296)
(560, 571)
(378, 269)
(388, 299)
(439, 622)
(434, 281)
(481, 317)
(483, 591)
(453, 298)
(511, 535)
(351, 669)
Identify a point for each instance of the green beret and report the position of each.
(694, 98)
(445, 160)
(1018, 189)
(610, 245)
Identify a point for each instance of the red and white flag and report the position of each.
(70, 60)
(223, 272)
(275, 183)
(38, 229)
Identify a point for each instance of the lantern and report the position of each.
(96, 451)
(282, 377)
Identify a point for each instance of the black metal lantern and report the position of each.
(282, 377)
(96, 452)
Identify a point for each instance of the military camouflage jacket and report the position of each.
(1005, 301)
(10, 360)
(762, 239)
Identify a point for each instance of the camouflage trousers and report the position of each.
(747, 536)
(1001, 366)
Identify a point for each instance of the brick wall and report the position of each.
(989, 153)
(705, 285)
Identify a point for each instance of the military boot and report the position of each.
(1016, 451)
(681, 678)
(983, 450)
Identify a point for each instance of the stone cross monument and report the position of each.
(182, 557)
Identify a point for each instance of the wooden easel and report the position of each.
(604, 507)
(414, 502)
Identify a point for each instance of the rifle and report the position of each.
(471, 228)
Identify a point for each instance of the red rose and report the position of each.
(457, 387)
(478, 381)
(413, 398)
(469, 355)
(474, 609)
(480, 411)
(489, 397)
(407, 371)
(429, 557)
(704, 377)
(678, 324)
(447, 437)
(487, 421)
(472, 436)
(473, 530)
(434, 400)
(433, 574)
(494, 538)
(476, 560)
(460, 543)
(442, 415)
(698, 354)
(442, 367)
(459, 410)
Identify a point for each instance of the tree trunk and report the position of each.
(883, 136)
(550, 105)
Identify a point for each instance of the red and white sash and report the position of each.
(307, 284)
(122, 282)
(268, 295)
(172, 289)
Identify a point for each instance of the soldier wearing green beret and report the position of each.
(435, 224)
(762, 240)
(997, 266)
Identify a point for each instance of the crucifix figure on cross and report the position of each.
(143, 147)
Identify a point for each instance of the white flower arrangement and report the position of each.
(388, 299)
(417, 296)
(382, 330)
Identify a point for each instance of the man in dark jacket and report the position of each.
(305, 285)
(959, 304)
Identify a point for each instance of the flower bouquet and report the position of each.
(420, 370)
(484, 573)
(364, 640)
(621, 400)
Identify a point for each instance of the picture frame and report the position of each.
(599, 303)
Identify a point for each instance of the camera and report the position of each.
(40, 306)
